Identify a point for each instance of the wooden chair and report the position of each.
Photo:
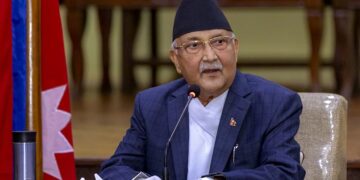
(346, 57)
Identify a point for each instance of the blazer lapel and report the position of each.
(180, 142)
(234, 112)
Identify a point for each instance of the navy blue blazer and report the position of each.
(267, 119)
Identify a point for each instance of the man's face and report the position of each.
(211, 65)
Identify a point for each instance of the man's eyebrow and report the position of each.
(197, 38)
(218, 35)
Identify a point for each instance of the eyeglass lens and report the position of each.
(219, 43)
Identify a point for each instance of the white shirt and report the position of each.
(203, 126)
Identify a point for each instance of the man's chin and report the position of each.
(211, 88)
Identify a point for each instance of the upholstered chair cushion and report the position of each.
(322, 135)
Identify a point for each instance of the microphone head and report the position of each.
(194, 91)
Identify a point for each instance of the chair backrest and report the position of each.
(322, 135)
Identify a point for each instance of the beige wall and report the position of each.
(262, 33)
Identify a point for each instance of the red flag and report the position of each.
(5, 91)
(58, 153)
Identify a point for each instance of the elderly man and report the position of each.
(240, 127)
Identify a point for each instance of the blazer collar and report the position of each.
(180, 143)
(236, 106)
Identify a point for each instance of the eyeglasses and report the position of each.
(194, 46)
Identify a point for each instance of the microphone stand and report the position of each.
(166, 175)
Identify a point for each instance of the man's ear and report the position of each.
(174, 58)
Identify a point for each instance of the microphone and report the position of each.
(193, 92)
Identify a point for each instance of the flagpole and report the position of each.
(33, 96)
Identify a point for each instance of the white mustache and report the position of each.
(209, 66)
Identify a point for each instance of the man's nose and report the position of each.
(209, 53)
